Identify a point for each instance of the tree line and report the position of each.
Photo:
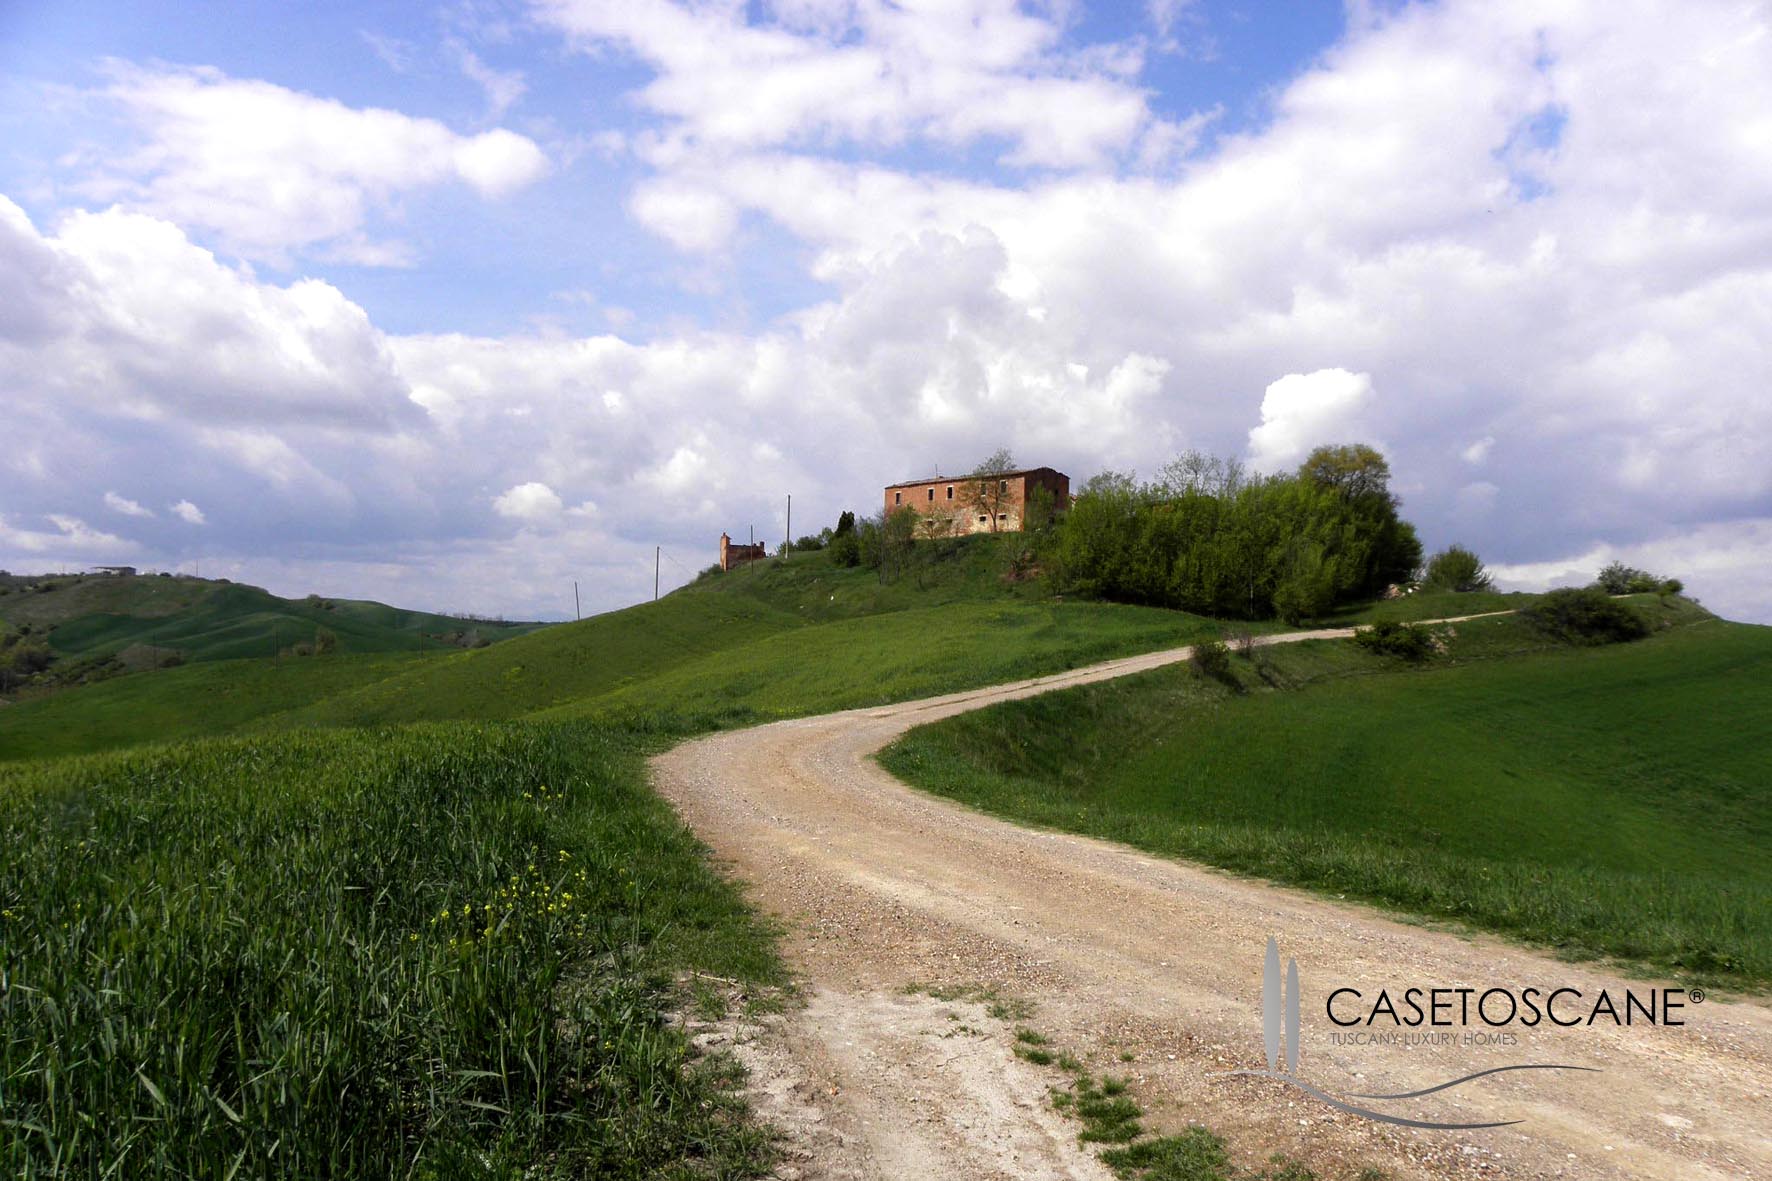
(1210, 537)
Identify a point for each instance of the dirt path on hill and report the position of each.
(883, 888)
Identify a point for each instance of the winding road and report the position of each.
(1153, 969)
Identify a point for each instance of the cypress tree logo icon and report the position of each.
(1280, 1007)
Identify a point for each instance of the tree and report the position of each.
(887, 541)
(845, 523)
(1355, 470)
(986, 491)
(1206, 475)
(1458, 569)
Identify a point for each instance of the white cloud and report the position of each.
(270, 170)
(73, 540)
(189, 513)
(126, 506)
(876, 75)
(532, 503)
(1458, 235)
(1305, 410)
(503, 87)
(145, 324)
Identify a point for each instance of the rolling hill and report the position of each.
(88, 616)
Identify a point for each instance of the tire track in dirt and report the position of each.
(882, 888)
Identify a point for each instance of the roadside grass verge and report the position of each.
(439, 951)
(1606, 802)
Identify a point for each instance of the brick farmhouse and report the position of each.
(977, 504)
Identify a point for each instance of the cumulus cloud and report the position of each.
(1461, 233)
(270, 170)
(189, 513)
(1305, 410)
(126, 506)
(532, 503)
(144, 323)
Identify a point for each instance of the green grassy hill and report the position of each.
(779, 638)
(88, 616)
(1606, 801)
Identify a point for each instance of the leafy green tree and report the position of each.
(1619, 579)
(1458, 569)
(1354, 470)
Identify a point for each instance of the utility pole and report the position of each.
(656, 550)
(575, 613)
(790, 536)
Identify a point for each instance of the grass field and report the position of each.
(194, 701)
(434, 952)
(1607, 801)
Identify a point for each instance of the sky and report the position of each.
(455, 305)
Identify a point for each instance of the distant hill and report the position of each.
(95, 624)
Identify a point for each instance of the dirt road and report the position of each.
(1151, 969)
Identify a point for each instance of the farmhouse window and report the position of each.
(932, 494)
(898, 498)
(950, 491)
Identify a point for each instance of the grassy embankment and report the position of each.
(1604, 801)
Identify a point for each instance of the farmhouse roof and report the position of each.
(1020, 471)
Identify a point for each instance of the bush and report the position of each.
(845, 548)
(1457, 569)
(1389, 638)
(1213, 660)
(1619, 579)
(1585, 615)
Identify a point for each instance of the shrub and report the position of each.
(1389, 638)
(845, 548)
(1671, 586)
(1619, 579)
(1457, 569)
(1213, 660)
(1585, 615)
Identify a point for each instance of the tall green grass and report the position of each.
(1609, 802)
(202, 700)
(433, 952)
